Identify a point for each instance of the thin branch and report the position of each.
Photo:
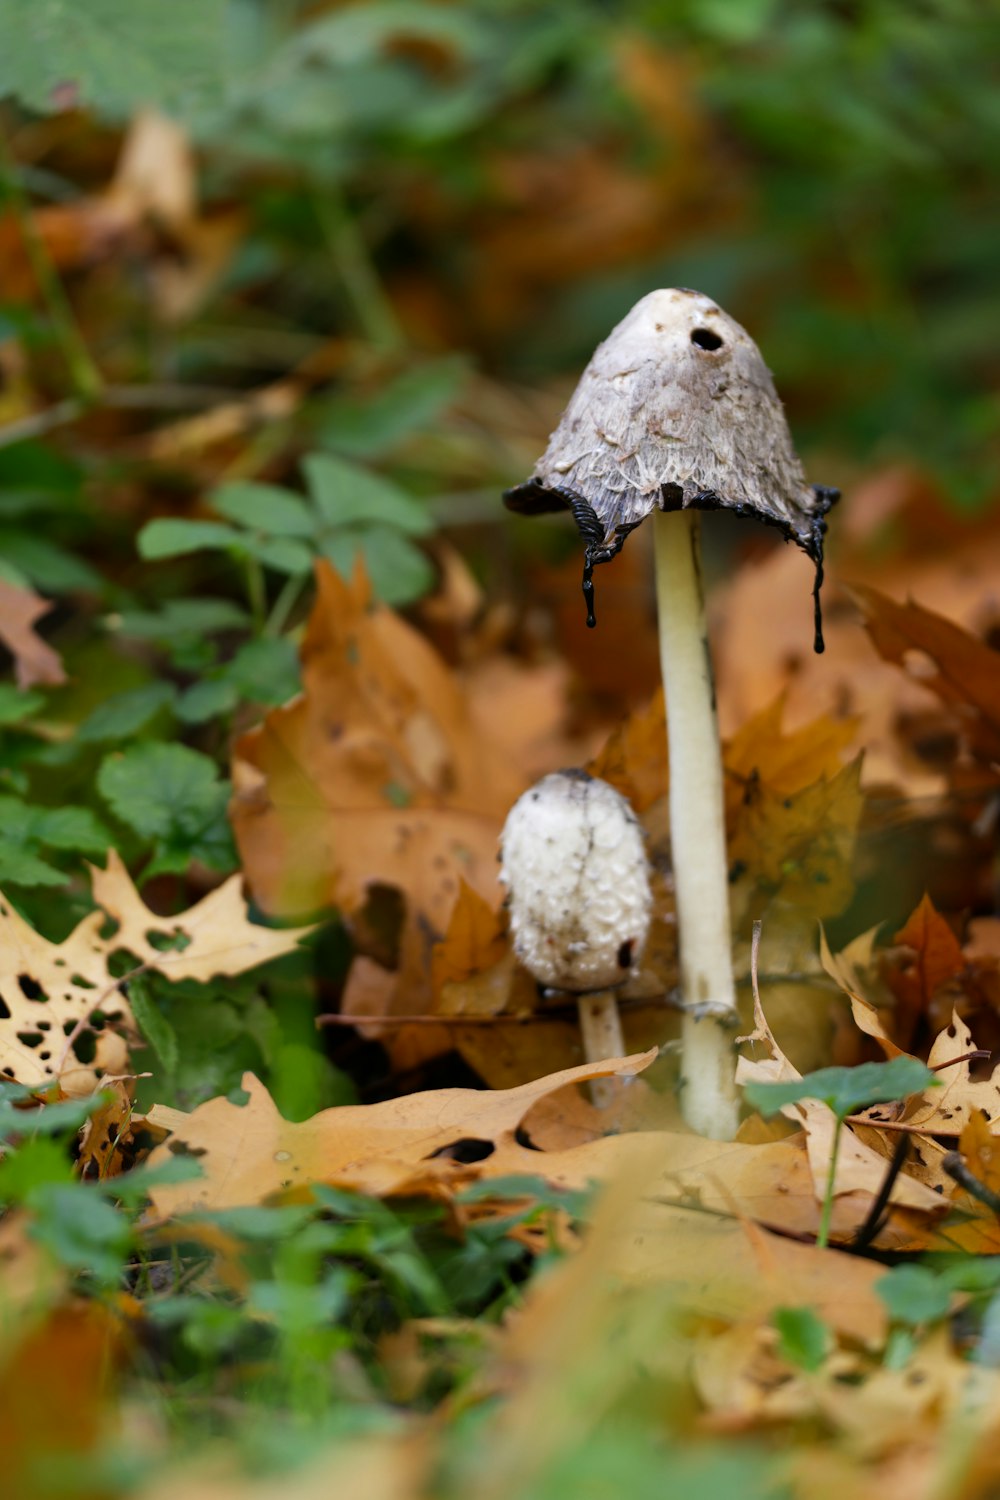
(875, 1217)
(955, 1165)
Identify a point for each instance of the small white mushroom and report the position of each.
(574, 864)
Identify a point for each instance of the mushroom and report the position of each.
(574, 864)
(675, 413)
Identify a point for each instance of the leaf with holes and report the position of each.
(422, 1144)
(51, 993)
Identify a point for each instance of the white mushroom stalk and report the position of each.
(709, 1099)
(677, 412)
(577, 877)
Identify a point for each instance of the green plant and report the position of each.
(844, 1091)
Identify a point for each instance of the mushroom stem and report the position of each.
(697, 831)
(601, 1029)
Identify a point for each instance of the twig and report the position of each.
(954, 1164)
(875, 1217)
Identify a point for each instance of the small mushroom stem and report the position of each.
(697, 831)
(601, 1029)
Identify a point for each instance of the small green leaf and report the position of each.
(914, 1295)
(168, 537)
(399, 571)
(282, 553)
(125, 714)
(180, 617)
(46, 565)
(37, 1164)
(20, 866)
(206, 700)
(76, 829)
(266, 508)
(153, 1023)
(16, 706)
(348, 495)
(804, 1339)
(367, 428)
(173, 795)
(845, 1090)
(266, 670)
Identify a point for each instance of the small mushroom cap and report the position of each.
(574, 864)
(675, 409)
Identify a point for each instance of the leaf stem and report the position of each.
(354, 265)
(86, 379)
(823, 1238)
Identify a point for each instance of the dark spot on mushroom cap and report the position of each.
(704, 338)
(625, 955)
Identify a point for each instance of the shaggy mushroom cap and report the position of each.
(676, 409)
(574, 864)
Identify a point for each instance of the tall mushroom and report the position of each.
(675, 413)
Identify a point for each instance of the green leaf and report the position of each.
(168, 537)
(399, 571)
(45, 564)
(348, 495)
(21, 866)
(174, 796)
(126, 714)
(17, 705)
(266, 508)
(266, 670)
(39, 1163)
(914, 1295)
(76, 829)
(81, 1229)
(114, 57)
(804, 1339)
(196, 617)
(205, 700)
(153, 1023)
(845, 1090)
(282, 553)
(368, 428)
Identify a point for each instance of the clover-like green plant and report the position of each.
(844, 1091)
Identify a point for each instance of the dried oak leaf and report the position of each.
(947, 1110)
(860, 1169)
(34, 659)
(933, 962)
(949, 661)
(49, 989)
(375, 775)
(404, 1145)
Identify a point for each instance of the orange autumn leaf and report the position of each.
(938, 957)
(476, 940)
(396, 1146)
(760, 753)
(377, 774)
(981, 1149)
(951, 662)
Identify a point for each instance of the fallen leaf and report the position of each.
(947, 660)
(476, 939)
(398, 1146)
(794, 852)
(50, 989)
(34, 659)
(375, 775)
